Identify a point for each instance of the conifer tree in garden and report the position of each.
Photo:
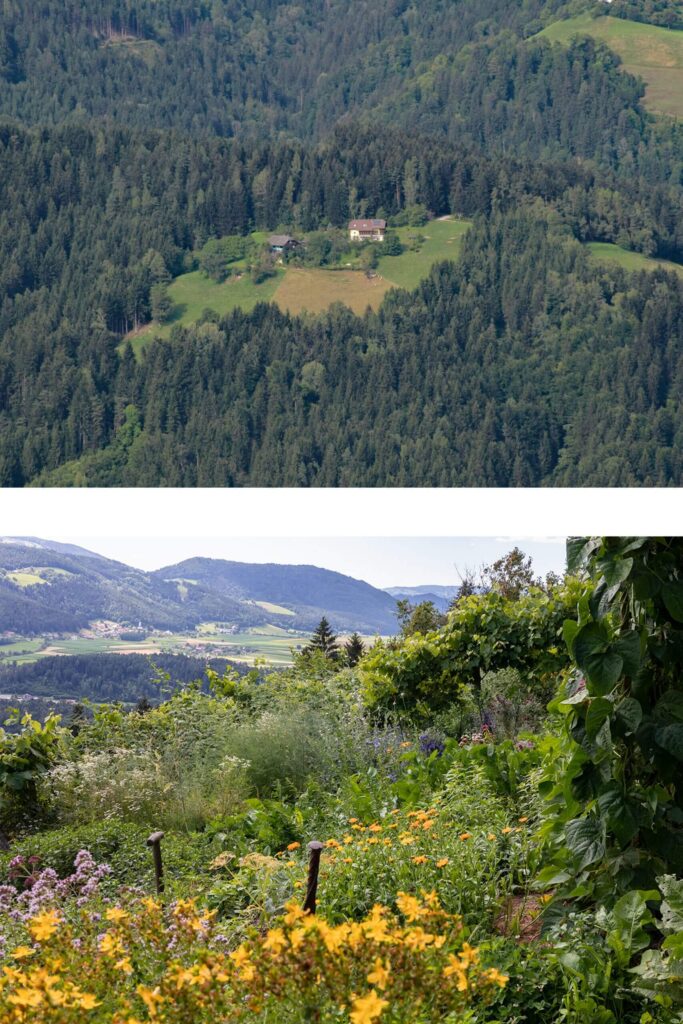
(355, 649)
(323, 641)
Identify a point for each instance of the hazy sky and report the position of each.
(383, 562)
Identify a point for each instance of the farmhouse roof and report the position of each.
(280, 239)
(367, 225)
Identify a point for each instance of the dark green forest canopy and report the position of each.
(508, 369)
(232, 66)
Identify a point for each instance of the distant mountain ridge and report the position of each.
(48, 587)
(440, 596)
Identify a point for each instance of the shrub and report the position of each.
(119, 844)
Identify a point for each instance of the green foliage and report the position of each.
(484, 633)
(617, 802)
(122, 845)
(26, 755)
(217, 256)
(660, 971)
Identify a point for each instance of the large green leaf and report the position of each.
(630, 713)
(672, 594)
(672, 907)
(586, 840)
(620, 814)
(628, 648)
(578, 550)
(595, 655)
(630, 915)
(670, 738)
(598, 712)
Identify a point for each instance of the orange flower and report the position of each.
(465, 835)
(442, 863)
(419, 860)
(294, 846)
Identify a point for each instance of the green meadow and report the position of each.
(652, 53)
(606, 252)
(443, 241)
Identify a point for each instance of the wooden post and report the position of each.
(154, 842)
(313, 871)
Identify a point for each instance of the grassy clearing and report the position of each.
(26, 578)
(443, 242)
(192, 293)
(314, 290)
(274, 609)
(608, 253)
(652, 53)
(296, 289)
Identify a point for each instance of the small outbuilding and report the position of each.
(282, 243)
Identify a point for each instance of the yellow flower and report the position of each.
(293, 846)
(275, 940)
(87, 1001)
(116, 914)
(491, 836)
(374, 926)
(294, 913)
(110, 944)
(367, 1009)
(411, 908)
(456, 968)
(442, 863)
(495, 977)
(21, 952)
(419, 860)
(465, 835)
(43, 926)
(26, 997)
(124, 965)
(522, 820)
(506, 831)
(150, 997)
(379, 976)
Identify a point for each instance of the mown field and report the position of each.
(299, 289)
(606, 252)
(652, 53)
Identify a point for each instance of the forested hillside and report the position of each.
(150, 128)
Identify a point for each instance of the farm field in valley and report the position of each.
(270, 642)
(647, 51)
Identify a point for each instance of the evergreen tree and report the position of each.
(323, 641)
(354, 649)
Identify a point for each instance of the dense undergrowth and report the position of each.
(484, 859)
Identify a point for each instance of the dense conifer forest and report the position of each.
(134, 133)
